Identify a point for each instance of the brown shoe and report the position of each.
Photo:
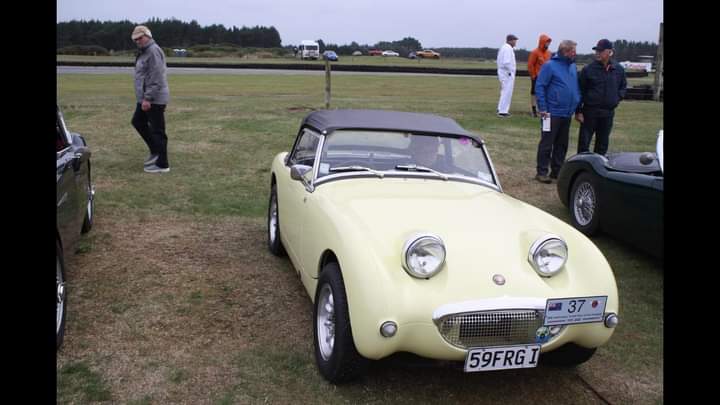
(543, 179)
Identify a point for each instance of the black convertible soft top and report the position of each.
(326, 121)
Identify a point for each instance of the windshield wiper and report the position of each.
(416, 168)
(356, 169)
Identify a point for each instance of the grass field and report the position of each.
(174, 298)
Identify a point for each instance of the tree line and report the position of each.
(173, 33)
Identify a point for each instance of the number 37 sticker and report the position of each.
(566, 311)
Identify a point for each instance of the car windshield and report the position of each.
(400, 152)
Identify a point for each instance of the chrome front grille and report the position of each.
(491, 328)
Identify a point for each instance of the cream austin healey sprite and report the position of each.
(405, 242)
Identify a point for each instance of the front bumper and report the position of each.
(454, 328)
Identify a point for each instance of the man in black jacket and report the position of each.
(602, 85)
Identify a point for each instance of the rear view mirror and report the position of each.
(298, 172)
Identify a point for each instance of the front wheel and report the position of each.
(273, 223)
(60, 298)
(585, 204)
(337, 358)
(90, 206)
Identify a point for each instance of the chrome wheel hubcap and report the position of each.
(272, 226)
(584, 204)
(91, 202)
(325, 322)
(60, 298)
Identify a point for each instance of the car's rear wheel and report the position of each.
(60, 298)
(274, 243)
(337, 358)
(585, 204)
(90, 206)
(568, 355)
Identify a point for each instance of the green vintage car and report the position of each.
(621, 194)
(398, 228)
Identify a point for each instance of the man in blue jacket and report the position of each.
(558, 96)
(602, 85)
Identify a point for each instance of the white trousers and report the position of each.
(507, 83)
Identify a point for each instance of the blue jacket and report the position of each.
(557, 87)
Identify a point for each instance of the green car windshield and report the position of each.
(386, 152)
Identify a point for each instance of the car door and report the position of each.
(635, 208)
(67, 201)
(293, 201)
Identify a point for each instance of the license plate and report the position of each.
(567, 311)
(502, 358)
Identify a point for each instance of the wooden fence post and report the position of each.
(327, 84)
(658, 85)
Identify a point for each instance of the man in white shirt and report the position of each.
(506, 74)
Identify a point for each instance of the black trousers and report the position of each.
(151, 127)
(598, 124)
(553, 146)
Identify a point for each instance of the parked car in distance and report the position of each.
(75, 203)
(375, 52)
(357, 53)
(621, 195)
(330, 55)
(412, 55)
(403, 238)
(427, 54)
(390, 53)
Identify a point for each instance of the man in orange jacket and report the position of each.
(537, 57)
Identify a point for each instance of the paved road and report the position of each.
(210, 71)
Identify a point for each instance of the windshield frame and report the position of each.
(400, 173)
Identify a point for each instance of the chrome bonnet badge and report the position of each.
(499, 279)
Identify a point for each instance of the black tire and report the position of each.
(338, 361)
(273, 223)
(584, 204)
(60, 297)
(569, 355)
(89, 207)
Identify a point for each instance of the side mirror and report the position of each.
(298, 172)
(647, 158)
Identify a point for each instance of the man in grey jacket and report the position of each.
(152, 95)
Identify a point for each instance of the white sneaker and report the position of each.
(156, 169)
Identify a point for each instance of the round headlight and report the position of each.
(548, 255)
(423, 256)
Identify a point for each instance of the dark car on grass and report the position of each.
(75, 207)
(621, 195)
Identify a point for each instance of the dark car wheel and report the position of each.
(274, 243)
(585, 204)
(335, 352)
(90, 207)
(569, 355)
(60, 298)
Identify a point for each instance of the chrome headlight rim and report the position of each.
(412, 242)
(538, 245)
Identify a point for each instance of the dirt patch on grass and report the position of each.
(161, 295)
(176, 309)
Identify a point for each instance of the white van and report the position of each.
(309, 50)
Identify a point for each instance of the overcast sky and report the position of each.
(435, 23)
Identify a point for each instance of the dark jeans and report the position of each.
(598, 124)
(151, 127)
(553, 146)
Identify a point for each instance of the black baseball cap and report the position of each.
(511, 37)
(602, 45)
